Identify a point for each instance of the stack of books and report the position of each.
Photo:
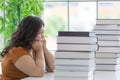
(75, 56)
(108, 55)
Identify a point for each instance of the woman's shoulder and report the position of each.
(18, 49)
(17, 52)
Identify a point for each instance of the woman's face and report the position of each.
(40, 34)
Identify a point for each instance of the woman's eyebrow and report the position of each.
(41, 31)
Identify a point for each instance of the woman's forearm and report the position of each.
(49, 59)
(40, 61)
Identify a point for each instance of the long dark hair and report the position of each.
(25, 34)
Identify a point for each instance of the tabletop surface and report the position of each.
(99, 75)
(47, 76)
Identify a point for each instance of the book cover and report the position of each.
(109, 49)
(74, 78)
(77, 55)
(108, 37)
(107, 55)
(77, 47)
(73, 73)
(108, 67)
(106, 27)
(90, 61)
(108, 61)
(108, 21)
(108, 43)
(74, 39)
(110, 32)
(80, 33)
(75, 67)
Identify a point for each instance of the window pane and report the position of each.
(56, 19)
(1, 36)
(82, 16)
(108, 10)
(1, 42)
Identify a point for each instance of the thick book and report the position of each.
(108, 21)
(107, 75)
(77, 55)
(109, 49)
(80, 33)
(107, 61)
(75, 68)
(108, 43)
(108, 67)
(77, 47)
(107, 55)
(110, 32)
(73, 73)
(106, 27)
(108, 37)
(74, 39)
(75, 61)
(74, 78)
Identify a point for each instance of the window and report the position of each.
(67, 16)
(1, 36)
(55, 18)
(108, 10)
(82, 16)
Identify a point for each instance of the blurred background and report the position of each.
(58, 15)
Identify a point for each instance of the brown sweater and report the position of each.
(9, 71)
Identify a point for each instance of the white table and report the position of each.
(99, 75)
(47, 76)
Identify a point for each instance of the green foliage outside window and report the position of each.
(55, 23)
(15, 10)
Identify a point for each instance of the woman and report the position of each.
(26, 55)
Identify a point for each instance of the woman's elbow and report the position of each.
(38, 73)
(41, 74)
(51, 69)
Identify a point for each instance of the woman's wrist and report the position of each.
(39, 52)
(44, 47)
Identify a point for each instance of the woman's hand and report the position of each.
(37, 45)
(44, 42)
(40, 37)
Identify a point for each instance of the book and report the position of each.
(74, 78)
(73, 73)
(80, 33)
(107, 75)
(110, 32)
(108, 61)
(109, 49)
(108, 67)
(90, 61)
(109, 43)
(75, 68)
(108, 21)
(73, 39)
(107, 55)
(77, 47)
(69, 54)
(108, 37)
(106, 27)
